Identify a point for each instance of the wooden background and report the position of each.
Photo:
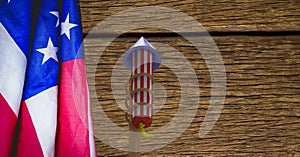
(260, 46)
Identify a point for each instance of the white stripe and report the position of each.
(133, 82)
(145, 110)
(133, 115)
(151, 68)
(91, 130)
(12, 70)
(145, 77)
(151, 79)
(151, 97)
(43, 112)
(138, 109)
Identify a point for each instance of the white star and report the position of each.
(8, 1)
(49, 51)
(66, 26)
(55, 13)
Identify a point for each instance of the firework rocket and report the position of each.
(142, 59)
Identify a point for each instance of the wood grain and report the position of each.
(261, 114)
(220, 16)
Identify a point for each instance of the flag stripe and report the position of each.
(93, 151)
(29, 138)
(43, 115)
(8, 120)
(12, 70)
(73, 131)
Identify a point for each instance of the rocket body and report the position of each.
(142, 87)
(142, 59)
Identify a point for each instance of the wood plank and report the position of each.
(220, 16)
(261, 114)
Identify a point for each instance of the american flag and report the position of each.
(75, 133)
(39, 104)
(52, 91)
(15, 26)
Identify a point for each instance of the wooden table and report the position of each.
(260, 46)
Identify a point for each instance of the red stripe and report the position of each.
(8, 121)
(28, 142)
(72, 130)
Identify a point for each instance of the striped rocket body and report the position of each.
(142, 85)
(142, 59)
